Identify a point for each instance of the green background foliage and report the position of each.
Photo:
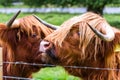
(69, 3)
(36, 3)
(96, 6)
(6, 2)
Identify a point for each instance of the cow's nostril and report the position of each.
(46, 45)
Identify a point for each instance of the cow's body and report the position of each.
(75, 44)
(20, 44)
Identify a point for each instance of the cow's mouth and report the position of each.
(52, 53)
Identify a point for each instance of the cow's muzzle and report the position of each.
(48, 48)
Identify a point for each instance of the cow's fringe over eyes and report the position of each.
(86, 34)
(27, 23)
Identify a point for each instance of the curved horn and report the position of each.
(12, 19)
(45, 23)
(109, 36)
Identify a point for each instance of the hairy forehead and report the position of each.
(78, 22)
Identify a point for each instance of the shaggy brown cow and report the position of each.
(76, 43)
(20, 40)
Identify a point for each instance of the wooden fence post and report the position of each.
(1, 64)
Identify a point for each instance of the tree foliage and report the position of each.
(36, 3)
(68, 3)
(6, 2)
(96, 6)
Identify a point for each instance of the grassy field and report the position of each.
(59, 18)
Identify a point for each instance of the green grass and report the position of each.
(53, 73)
(54, 18)
(113, 19)
(59, 18)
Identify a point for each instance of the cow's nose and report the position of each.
(44, 45)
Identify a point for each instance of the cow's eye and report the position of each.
(33, 35)
(78, 33)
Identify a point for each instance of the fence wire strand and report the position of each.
(50, 65)
(18, 78)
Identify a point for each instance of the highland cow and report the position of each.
(86, 41)
(20, 40)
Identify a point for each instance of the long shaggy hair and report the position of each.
(20, 42)
(77, 45)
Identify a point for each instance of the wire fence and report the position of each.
(50, 65)
(16, 78)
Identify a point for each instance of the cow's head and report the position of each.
(81, 41)
(22, 37)
(76, 42)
